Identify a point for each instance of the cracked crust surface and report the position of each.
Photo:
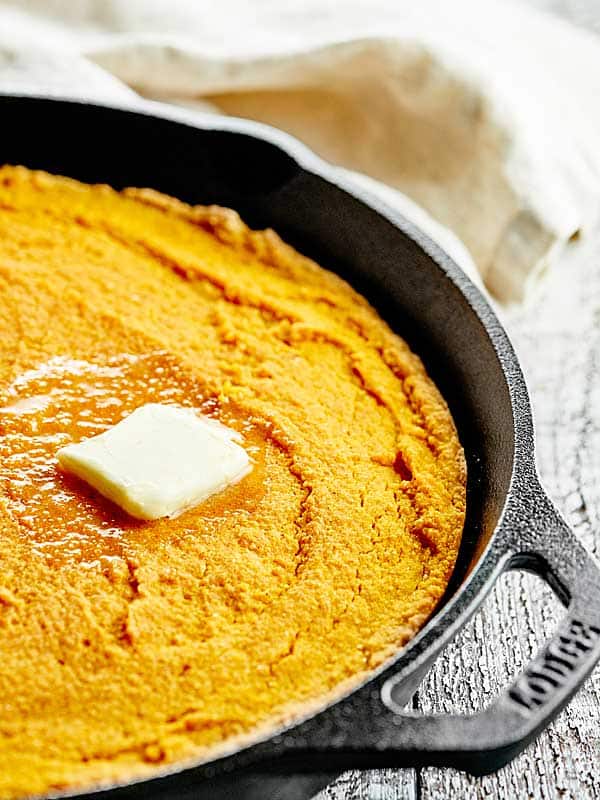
(127, 645)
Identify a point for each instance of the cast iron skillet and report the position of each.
(511, 524)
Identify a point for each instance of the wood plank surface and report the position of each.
(557, 337)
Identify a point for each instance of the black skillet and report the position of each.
(511, 524)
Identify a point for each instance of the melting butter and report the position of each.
(159, 461)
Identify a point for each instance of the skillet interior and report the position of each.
(267, 186)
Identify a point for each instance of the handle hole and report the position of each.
(537, 565)
(515, 621)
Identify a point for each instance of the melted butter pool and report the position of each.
(66, 400)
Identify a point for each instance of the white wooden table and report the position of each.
(557, 337)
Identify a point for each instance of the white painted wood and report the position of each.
(385, 784)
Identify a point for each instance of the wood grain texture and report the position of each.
(557, 337)
(384, 784)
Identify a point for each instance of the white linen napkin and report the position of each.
(487, 114)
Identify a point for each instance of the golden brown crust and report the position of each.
(192, 634)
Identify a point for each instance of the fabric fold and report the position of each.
(487, 115)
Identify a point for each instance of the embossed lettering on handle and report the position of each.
(552, 669)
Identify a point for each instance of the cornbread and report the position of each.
(125, 644)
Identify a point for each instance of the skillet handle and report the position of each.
(485, 741)
(342, 737)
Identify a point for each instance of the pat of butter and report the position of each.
(159, 461)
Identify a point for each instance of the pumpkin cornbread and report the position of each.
(125, 645)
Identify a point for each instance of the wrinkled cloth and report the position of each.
(481, 119)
